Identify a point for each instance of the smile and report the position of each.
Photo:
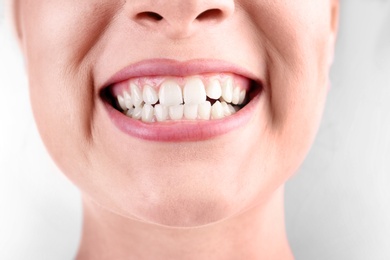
(165, 100)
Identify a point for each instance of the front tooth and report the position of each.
(204, 110)
(136, 95)
(149, 95)
(214, 90)
(170, 94)
(242, 97)
(217, 110)
(225, 108)
(161, 112)
(121, 103)
(194, 92)
(236, 96)
(176, 112)
(190, 111)
(147, 113)
(227, 90)
(137, 113)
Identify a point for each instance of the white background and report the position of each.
(337, 206)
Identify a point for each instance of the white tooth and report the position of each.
(136, 95)
(121, 103)
(190, 111)
(231, 109)
(149, 95)
(227, 90)
(204, 110)
(128, 101)
(217, 110)
(176, 112)
(147, 113)
(161, 112)
(170, 94)
(129, 112)
(137, 113)
(236, 96)
(194, 92)
(214, 90)
(225, 108)
(242, 97)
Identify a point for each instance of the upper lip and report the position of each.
(168, 67)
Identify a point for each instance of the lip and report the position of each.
(180, 131)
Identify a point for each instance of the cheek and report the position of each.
(57, 40)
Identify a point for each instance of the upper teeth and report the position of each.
(170, 101)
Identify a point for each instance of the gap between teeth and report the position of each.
(173, 102)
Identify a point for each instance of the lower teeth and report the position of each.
(161, 113)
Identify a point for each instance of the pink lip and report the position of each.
(179, 131)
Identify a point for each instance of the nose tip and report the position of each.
(178, 18)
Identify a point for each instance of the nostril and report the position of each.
(149, 16)
(211, 14)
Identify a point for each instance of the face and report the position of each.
(178, 113)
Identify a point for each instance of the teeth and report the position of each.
(217, 110)
(170, 94)
(242, 97)
(214, 90)
(121, 102)
(149, 95)
(176, 112)
(226, 109)
(190, 111)
(129, 112)
(194, 92)
(137, 113)
(128, 101)
(236, 95)
(147, 113)
(204, 110)
(175, 102)
(227, 90)
(231, 109)
(161, 112)
(136, 95)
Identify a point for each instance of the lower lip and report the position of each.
(182, 131)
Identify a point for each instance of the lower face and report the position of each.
(177, 123)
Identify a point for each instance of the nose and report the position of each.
(179, 18)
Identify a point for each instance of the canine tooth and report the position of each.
(149, 95)
(214, 90)
(136, 95)
(217, 110)
(121, 103)
(225, 108)
(170, 94)
(194, 92)
(176, 112)
(190, 111)
(236, 96)
(227, 90)
(242, 97)
(161, 112)
(137, 113)
(204, 110)
(147, 113)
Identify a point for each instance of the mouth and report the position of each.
(165, 100)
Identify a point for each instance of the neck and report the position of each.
(258, 233)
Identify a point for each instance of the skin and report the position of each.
(142, 199)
